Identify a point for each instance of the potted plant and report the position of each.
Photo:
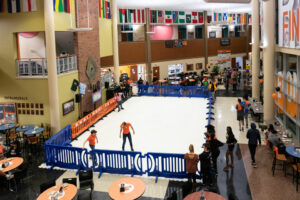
(216, 69)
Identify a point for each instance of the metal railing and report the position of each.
(38, 66)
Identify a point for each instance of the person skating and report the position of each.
(240, 114)
(119, 96)
(253, 136)
(92, 141)
(126, 134)
(230, 141)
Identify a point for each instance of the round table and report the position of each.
(14, 163)
(291, 151)
(208, 196)
(135, 188)
(25, 128)
(70, 192)
(33, 132)
(6, 127)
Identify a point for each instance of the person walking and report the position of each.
(119, 96)
(191, 164)
(240, 114)
(206, 164)
(253, 136)
(92, 141)
(230, 141)
(214, 144)
(126, 134)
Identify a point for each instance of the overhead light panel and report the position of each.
(227, 1)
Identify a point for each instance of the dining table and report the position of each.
(207, 196)
(13, 163)
(68, 192)
(25, 128)
(35, 131)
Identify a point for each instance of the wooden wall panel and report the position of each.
(237, 45)
(194, 48)
(132, 53)
(107, 61)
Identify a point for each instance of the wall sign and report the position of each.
(225, 41)
(16, 98)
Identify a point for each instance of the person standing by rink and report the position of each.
(126, 134)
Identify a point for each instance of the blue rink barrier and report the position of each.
(117, 162)
(166, 165)
(173, 91)
(210, 107)
(63, 137)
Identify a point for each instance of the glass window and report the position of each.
(199, 32)
(279, 64)
(279, 113)
(290, 125)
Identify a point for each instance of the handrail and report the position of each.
(83, 124)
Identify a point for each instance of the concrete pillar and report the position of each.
(115, 39)
(148, 48)
(51, 64)
(205, 39)
(255, 48)
(268, 58)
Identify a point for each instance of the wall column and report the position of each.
(115, 39)
(51, 64)
(148, 47)
(255, 48)
(205, 39)
(268, 58)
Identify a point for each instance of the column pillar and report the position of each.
(268, 58)
(148, 47)
(115, 39)
(205, 40)
(51, 65)
(255, 48)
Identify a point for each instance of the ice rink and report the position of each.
(161, 124)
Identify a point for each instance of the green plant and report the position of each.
(216, 69)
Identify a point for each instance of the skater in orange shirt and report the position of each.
(126, 134)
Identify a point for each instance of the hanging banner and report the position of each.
(288, 29)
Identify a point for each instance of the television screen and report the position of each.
(212, 34)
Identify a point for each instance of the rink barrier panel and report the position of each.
(174, 91)
(210, 107)
(83, 124)
(117, 162)
(63, 137)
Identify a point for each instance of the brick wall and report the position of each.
(87, 45)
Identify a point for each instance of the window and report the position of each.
(182, 32)
(199, 32)
(198, 66)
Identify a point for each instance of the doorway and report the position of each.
(133, 72)
(156, 72)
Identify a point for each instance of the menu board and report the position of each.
(8, 113)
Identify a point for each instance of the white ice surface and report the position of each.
(161, 124)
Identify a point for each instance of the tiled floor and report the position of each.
(233, 185)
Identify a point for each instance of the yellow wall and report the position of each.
(63, 21)
(35, 90)
(105, 37)
(124, 69)
(65, 94)
(163, 66)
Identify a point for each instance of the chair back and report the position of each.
(86, 179)
(47, 185)
(70, 180)
(33, 140)
(275, 149)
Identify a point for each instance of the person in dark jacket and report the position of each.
(253, 136)
(214, 148)
(206, 164)
(230, 141)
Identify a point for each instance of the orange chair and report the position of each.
(33, 142)
(45, 135)
(278, 157)
(12, 136)
(296, 168)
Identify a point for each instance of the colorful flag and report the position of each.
(140, 16)
(215, 17)
(200, 16)
(107, 10)
(219, 17)
(101, 13)
(130, 15)
(188, 17)
(224, 17)
(194, 17)
(153, 16)
(29, 5)
(175, 17)
(249, 19)
(1, 5)
(58, 5)
(160, 16)
(13, 6)
(168, 17)
(233, 17)
(123, 15)
(230, 17)
(181, 17)
(209, 18)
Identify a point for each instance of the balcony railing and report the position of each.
(38, 67)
